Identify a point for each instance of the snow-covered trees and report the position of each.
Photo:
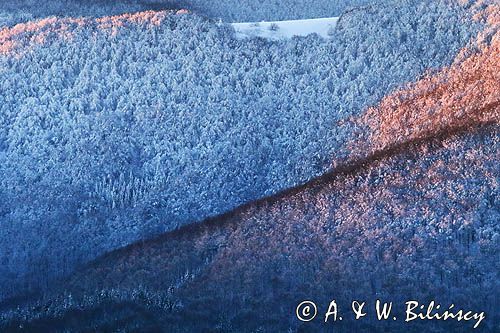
(421, 224)
(21, 11)
(261, 10)
(118, 128)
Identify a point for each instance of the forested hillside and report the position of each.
(261, 10)
(22, 11)
(117, 128)
(160, 174)
(418, 224)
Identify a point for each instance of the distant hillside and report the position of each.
(21, 11)
(269, 10)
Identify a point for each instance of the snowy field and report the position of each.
(286, 29)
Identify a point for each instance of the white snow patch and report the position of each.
(286, 29)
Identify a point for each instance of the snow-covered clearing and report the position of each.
(286, 29)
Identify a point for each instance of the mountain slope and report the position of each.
(269, 10)
(418, 225)
(414, 217)
(118, 128)
(13, 12)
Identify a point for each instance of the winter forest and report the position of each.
(152, 163)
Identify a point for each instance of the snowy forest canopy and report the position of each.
(106, 138)
(15, 11)
(261, 10)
